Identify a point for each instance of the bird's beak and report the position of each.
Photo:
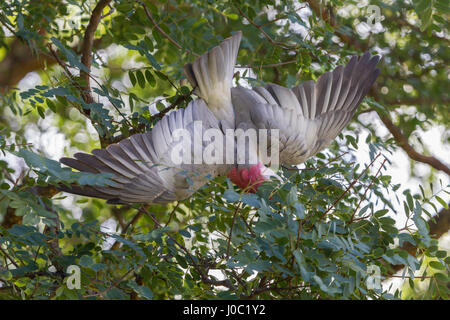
(267, 173)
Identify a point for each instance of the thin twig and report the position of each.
(69, 74)
(282, 17)
(231, 228)
(127, 226)
(273, 65)
(9, 257)
(365, 192)
(9, 28)
(258, 291)
(115, 284)
(202, 274)
(320, 167)
(110, 11)
(172, 213)
(349, 187)
(268, 37)
(150, 17)
(180, 99)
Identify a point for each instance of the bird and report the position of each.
(305, 118)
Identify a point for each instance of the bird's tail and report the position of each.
(212, 74)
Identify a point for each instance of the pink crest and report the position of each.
(247, 179)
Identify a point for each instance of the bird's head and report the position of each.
(250, 177)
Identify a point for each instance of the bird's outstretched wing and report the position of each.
(311, 115)
(143, 166)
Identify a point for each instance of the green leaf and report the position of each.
(406, 208)
(231, 195)
(141, 290)
(116, 294)
(319, 281)
(152, 60)
(149, 43)
(132, 78)
(184, 233)
(70, 55)
(160, 106)
(437, 265)
(41, 112)
(161, 75)
(442, 202)
(131, 102)
(85, 261)
(251, 199)
(51, 105)
(299, 210)
(140, 79)
(150, 79)
(292, 196)
(232, 16)
(410, 201)
(381, 213)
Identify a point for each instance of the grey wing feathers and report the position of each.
(335, 97)
(311, 115)
(141, 165)
(341, 89)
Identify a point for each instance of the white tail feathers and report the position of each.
(212, 74)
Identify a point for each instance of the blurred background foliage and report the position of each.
(77, 75)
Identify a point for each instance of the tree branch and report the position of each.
(86, 50)
(413, 154)
(24, 53)
(21, 60)
(441, 224)
(403, 22)
(272, 65)
(155, 24)
(268, 37)
(327, 16)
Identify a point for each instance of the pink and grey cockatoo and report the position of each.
(308, 117)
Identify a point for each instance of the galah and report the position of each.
(308, 117)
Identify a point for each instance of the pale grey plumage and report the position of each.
(142, 165)
(142, 168)
(308, 116)
(311, 115)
